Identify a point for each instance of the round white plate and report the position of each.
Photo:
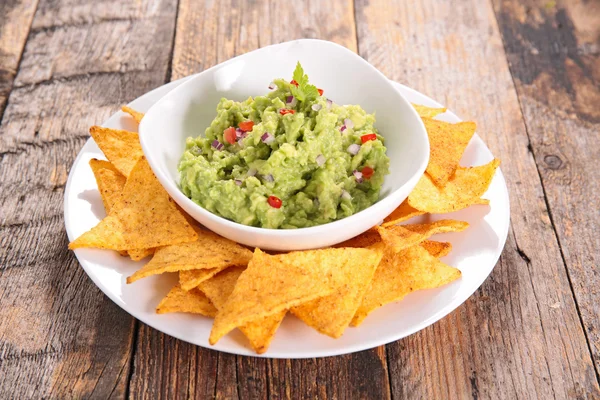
(475, 252)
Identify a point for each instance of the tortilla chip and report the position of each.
(209, 251)
(400, 237)
(140, 254)
(179, 300)
(402, 213)
(428, 112)
(363, 240)
(447, 144)
(122, 148)
(110, 182)
(144, 217)
(137, 116)
(260, 333)
(400, 274)
(192, 278)
(462, 191)
(437, 249)
(272, 284)
(332, 314)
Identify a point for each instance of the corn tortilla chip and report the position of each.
(140, 254)
(364, 240)
(260, 333)
(192, 278)
(137, 116)
(428, 112)
(331, 315)
(462, 191)
(401, 214)
(110, 182)
(144, 217)
(400, 237)
(437, 249)
(400, 274)
(209, 251)
(272, 284)
(179, 300)
(122, 148)
(447, 144)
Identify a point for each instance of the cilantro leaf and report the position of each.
(304, 91)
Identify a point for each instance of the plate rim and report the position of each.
(244, 351)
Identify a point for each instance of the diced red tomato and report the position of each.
(367, 137)
(367, 172)
(246, 126)
(274, 202)
(284, 111)
(293, 82)
(320, 92)
(229, 135)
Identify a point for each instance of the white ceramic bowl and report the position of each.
(345, 77)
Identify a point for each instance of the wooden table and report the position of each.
(527, 71)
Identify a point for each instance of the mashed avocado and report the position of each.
(290, 159)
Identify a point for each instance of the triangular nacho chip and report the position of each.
(122, 148)
(400, 237)
(260, 333)
(332, 314)
(464, 189)
(144, 217)
(209, 251)
(402, 213)
(447, 144)
(110, 182)
(272, 284)
(179, 300)
(428, 112)
(363, 240)
(137, 116)
(192, 278)
(437, 249)
(400, 274)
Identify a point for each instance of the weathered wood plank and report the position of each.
(519, 336)
(14, 27)
(60, 337)
(554, 56)
(209, 33)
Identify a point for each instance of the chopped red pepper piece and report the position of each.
(229, 135)
(246, 126)
(284, 111)
(367, 172)
(367, 137)
(320, 92)
(293, 82)
(274, 202)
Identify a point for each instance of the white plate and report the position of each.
(475, 252)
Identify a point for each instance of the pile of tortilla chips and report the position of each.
(328, 289)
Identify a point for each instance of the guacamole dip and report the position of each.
(290, 159)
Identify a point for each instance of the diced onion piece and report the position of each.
(239, 133)
(291, 101)
(252, 172)
(316, 107)
(329, 104)
(268, 178)
(358, 176)
(238, 182)
(217, 145)
(320, 159)
(272, 86)
(346, 195)
(348, 122)
(342, 128)
(353, 149)
(267, 138)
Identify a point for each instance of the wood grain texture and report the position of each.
(14, 27)
(209, 33)
(520, 335)
(60, 337)
(554, 56)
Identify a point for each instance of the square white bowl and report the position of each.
(345, 77)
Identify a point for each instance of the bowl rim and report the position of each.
(179, 196)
